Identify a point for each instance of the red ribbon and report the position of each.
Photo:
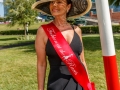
(68, 57)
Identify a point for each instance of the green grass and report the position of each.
(5, 27)
(18, 65)
(17, 69)
(15, 39)
(94, 60)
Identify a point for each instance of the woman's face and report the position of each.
(59, 7)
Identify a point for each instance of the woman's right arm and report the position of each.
(41, 58)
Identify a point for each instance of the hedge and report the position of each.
(17, 32)
(95, 29)
(85, 30)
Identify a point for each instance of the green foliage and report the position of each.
(116, 2)
(1, 19)
(116, 29)
(90, 29)
(17, 32)
(95, 29)
(19, 12)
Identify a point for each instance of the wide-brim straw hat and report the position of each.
(79, 7)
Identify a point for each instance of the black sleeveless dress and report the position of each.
(59, 76)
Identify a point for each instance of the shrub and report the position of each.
(95, 29)
(18, 32)
(85, 30)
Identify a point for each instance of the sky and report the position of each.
(1, 9)
(1, 0)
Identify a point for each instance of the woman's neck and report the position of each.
(60, 21)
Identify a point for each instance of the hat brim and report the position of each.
(36, 6)
(79, 8)
(85, 12)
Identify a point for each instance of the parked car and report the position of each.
(80, 21)
(49, 18)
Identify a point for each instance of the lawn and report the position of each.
(5, 27)
(93, 55)
(17, 68)
(15, 39)
(18, 64)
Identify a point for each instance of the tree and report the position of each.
(19, 12)
(114, 2)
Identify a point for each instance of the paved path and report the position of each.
(95, 20)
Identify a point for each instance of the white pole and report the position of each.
(107, 43)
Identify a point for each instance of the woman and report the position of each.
(59, 77)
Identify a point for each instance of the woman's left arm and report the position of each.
(82, 57)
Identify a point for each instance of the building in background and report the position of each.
(93, 9)
(4, 9)
(115, 9)
(114, 14)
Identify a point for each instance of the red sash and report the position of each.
(68, 57)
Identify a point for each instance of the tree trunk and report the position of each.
(25, 30)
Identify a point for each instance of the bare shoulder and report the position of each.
(41, 37)
(40, 44)
(40, 31)
(77, 30)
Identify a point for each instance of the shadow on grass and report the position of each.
(30, 48)
(93, 43)
(7, 39)
(17, 45)
(90, 43)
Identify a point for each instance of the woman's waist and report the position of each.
(59, 69)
